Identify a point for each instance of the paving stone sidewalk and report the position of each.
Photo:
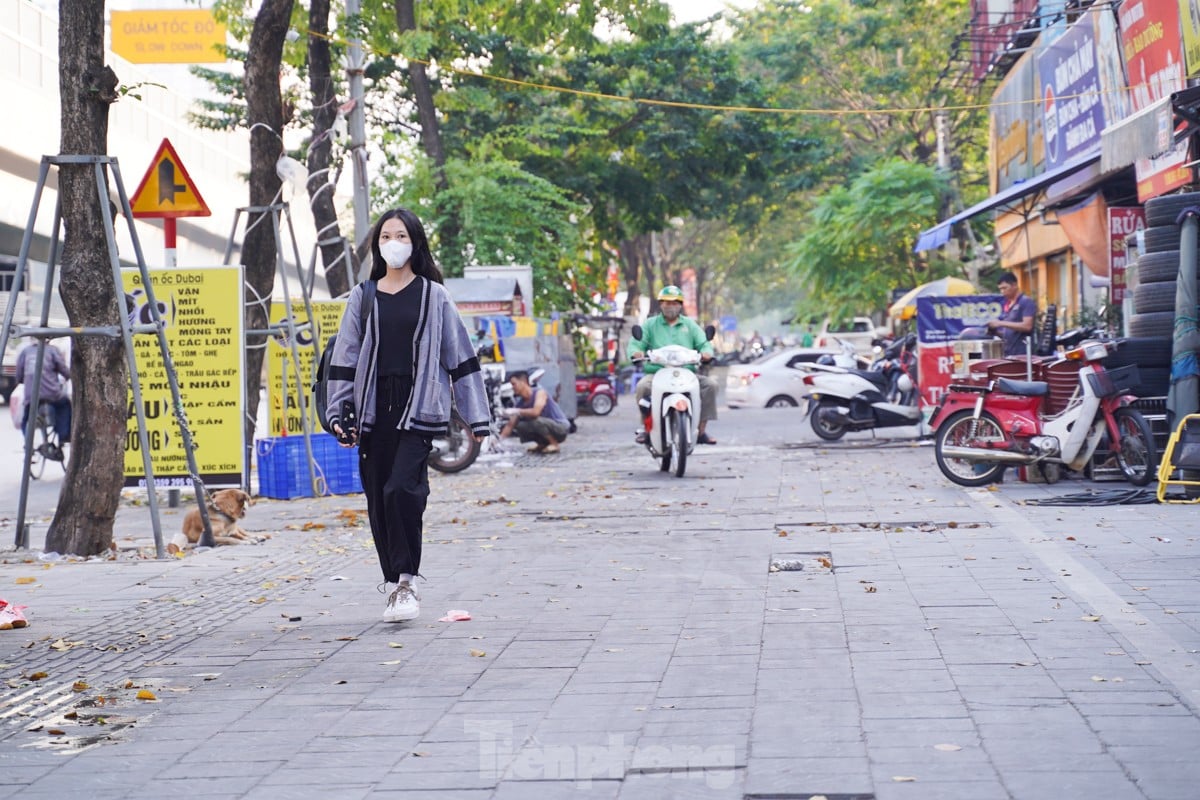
(788, 620)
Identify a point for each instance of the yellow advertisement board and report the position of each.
(202, 309)
(176, 36)
(283, 417)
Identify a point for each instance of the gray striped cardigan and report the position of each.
(442, 356)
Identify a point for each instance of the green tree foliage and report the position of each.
(857, 244)
(868, 76)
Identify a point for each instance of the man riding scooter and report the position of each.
(671, 327)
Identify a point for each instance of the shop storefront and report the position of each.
(1089, 123)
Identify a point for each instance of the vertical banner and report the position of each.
(1072, 112)
(283, 404)
(1189, 19)
(940, 320)
(202, 312)
(689, 285)
(1123, 221)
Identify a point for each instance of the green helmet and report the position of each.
(672, 293)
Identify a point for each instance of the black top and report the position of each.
(398, 315)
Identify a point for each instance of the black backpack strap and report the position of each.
(364, 308)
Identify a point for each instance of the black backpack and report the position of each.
(320, 386)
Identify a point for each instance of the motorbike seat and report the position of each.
(1027, 388)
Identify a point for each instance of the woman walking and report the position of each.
(396, 378)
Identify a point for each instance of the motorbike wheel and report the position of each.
(1135, 451)
(601, 404)
(682, 427)
(961, 428)
(665, 461)
(828, 431)
(457, 450)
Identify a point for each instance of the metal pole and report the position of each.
(357, 120)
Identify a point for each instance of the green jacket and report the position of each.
(657, 332)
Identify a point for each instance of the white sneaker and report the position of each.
(403, 604)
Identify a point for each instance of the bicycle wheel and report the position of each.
(1135, 451)
(41, 448)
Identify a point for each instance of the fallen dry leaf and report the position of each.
(1090, 618)
(397, 662)
(478, 653)
(146, 694)
(24, 580)
(37, 676)
(903, 778)
(79, 686)
(947, 748)
(395, 644)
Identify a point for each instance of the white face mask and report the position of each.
(396, 254)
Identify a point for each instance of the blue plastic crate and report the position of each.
(283, 467)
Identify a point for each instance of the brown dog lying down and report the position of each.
(225, 508)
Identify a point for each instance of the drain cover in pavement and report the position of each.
(820, 561)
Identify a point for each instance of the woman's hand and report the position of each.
(344, 439)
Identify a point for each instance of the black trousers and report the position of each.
(394, 466)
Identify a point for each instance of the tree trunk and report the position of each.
(91, 490)
(320, 187)
(450, 228)
(264, 110)
(630, 270)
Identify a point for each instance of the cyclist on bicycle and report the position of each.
(55, 374)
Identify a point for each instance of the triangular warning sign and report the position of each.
(167, 189)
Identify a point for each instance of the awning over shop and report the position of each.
(939, 234)
(1150, 131)
(1141, 135)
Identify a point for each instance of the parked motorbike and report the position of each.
(884, 396)
(981, 429)
(672, 411)
(846, 358)
(458, 449)
(595, 393)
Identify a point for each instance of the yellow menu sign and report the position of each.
(202, 309)
(177, 36)
(283, 404)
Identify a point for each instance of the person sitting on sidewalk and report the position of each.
(671, 327)
(536, 418)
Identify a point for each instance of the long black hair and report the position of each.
(422, 259)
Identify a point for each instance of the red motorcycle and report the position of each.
(981, 429)
(595, 393)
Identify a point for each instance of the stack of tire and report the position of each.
(1158, 277)
(1158, 268)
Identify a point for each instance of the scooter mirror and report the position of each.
(709, 332)
(636, 332)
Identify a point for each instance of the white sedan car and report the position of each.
(772, 381)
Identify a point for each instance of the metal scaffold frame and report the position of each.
(126, 330)
(288, 328)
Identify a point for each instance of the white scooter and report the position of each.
(885, 396)
(674, 405)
